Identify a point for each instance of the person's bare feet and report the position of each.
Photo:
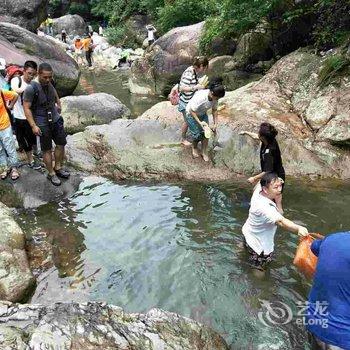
(195, 153)
(186, 143)
(205, 157)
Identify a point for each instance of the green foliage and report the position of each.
(80, 9)
(54, 6)
(183, 12)
(115, 35)
(333, 68)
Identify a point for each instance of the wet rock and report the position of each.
(99, 108)
(34, 189)
(73, 24)
(97, 325)
(18, 45)
(16, 279)
(165, 61)
(139, 149)
(27, 14)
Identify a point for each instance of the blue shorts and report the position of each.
(182, 108)
(196, 131)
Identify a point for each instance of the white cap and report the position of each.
(2, 64)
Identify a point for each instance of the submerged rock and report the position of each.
(16, 279)
(18, 45)
(84, 110)
(99, 326)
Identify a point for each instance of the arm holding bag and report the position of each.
(305, 260)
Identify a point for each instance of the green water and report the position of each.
(115, 83)
(179, 247)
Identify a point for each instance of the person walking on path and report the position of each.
(197, 118)
(42, 108)
(270, 155)
(264, 216)
(87, 45)
(49, 25)
(328, 313)
(8, 154)
(24, 134)
(188, 85)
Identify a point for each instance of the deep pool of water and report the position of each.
(179, 247)
(115, 82)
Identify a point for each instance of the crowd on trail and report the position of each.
(30, 109)
(195, 95)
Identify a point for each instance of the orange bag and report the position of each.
(305, 260)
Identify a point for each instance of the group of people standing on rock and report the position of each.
(331, 282)
(196, 97)
(31, 109)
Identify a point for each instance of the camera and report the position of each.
(49, 117)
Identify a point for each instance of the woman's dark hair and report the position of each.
(200, 61)
(268, 178)
(268, 131)
(216, 87)
(30, 64)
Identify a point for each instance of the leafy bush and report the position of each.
(332, 69)
(82, 10)
(183, 12)
(115, 35)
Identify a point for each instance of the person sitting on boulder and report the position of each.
(270, 155)
(8, 154)
(188, 85)
(197, 118)
(42, 108)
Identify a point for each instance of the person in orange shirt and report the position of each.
(8, 154)
(87, 45)
(78, 52)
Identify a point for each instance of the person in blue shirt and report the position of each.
(328, 316)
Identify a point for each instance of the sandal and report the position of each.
(4, 174)
(14, 174)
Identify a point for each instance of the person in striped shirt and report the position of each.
(187, 87)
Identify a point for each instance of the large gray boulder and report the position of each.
(99, 108)
(165, 61)
(73, 25)
(27, 14)
(18, 45)
(16, 279)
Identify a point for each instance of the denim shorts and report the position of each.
(182, 108)
(195, 129)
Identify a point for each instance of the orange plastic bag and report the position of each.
(305, 260)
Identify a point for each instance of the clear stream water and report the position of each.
(179, 247)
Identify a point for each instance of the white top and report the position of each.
(100, 30)
(18, 111)
(260, 228)
(150, 34)
(200, 103)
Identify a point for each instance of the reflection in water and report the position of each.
(180, 248)
(116, 84)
